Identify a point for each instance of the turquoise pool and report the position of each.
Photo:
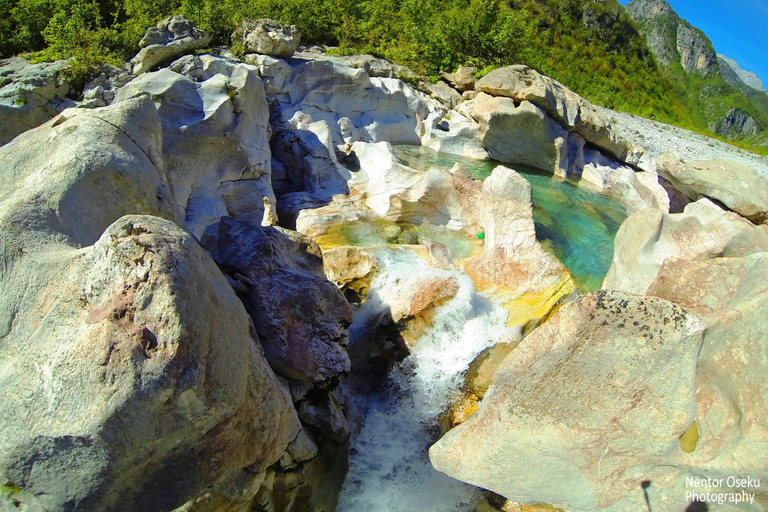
(576, 225)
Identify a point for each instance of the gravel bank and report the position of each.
(657, 138)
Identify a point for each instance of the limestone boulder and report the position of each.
(463, 79)
(728, 294)
(401, 194)
(736, 186)
(279, 276)
(522, 274)
(215, 136)
(573, 112)
(456, 133)
(443, 93)
(170, 39)
(635, 191)
(703, 231)
(377, 108)
(30, 94)
(268, 37)
(521, 133)
(374, 66)
(98, 165)
(585, 408)
(350, 268)
(105, 339)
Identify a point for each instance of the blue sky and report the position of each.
(738, 29)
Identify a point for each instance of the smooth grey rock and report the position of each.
(98, 165)
(381, 109)
(584, 408)
(101, 344)
(456, 133)
(171, 38)
(30, 94)
(305, 150)
(520, 134)
(268, 37)
(735, 185)
(573, 112)
(215, 141)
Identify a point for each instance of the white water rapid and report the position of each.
(389, 468)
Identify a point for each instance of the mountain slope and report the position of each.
(736, 76)
(714, 95)
(671, 38)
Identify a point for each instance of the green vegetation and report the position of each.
(8, 489)
(591, 46)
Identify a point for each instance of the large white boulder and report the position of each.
(30, 94)
(98, 165)
(521, 133)
(522, 83)
(729, 296)
(735, 185)
(170, 39)
(215, 143)
(634, 190)
(95, 338)
(585, 408)
(268, 37)
(703, 231)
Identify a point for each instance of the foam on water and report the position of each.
(389, 468)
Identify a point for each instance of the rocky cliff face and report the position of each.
(734, 75)
(736, 124)
(671, 38)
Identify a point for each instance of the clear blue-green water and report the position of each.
(576, 225)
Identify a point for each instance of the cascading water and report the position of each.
(389, 468)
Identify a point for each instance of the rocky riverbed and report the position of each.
(658, 138)
(222, 290)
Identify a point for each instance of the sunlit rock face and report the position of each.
(97, 338)
(31, 94)
(738, 187)
(170, 39)
(215, 136)
(574, 113)
(702, 231)
(728, 295)
(600, 393)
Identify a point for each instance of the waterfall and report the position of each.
(389, 468)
